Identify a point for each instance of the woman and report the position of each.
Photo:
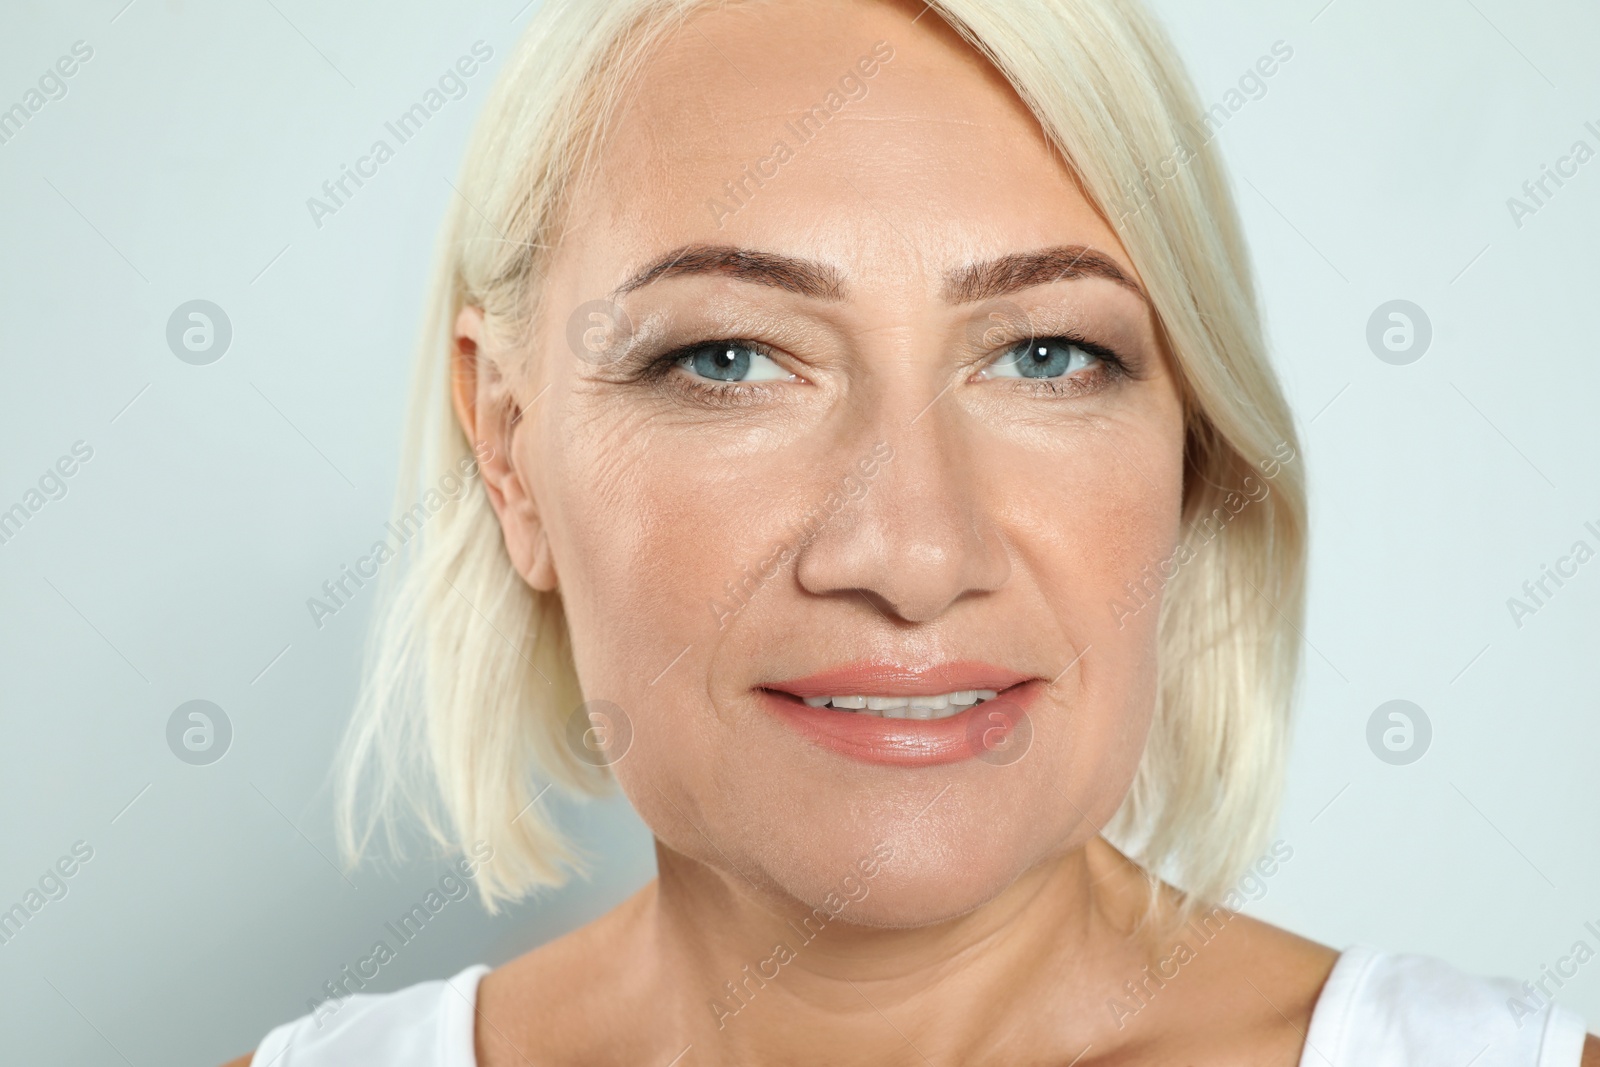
(866, 414)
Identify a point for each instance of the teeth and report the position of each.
(937, 706)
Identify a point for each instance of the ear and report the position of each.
(491, 418)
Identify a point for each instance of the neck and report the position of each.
(762, 978)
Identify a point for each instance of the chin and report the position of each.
(891, 875)
(929, 896)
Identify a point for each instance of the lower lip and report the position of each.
(907, 742)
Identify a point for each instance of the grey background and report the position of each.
(1376, 167)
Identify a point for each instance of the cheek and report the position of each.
(647, 529)
(1095, 515)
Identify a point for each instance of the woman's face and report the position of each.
(883, 414)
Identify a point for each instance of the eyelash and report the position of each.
(661, 368)
(1109, 366)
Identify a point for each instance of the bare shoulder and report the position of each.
(1276, 978)
(1278, 956)
(1226, 988)
(1215, 986)
(575, 985)
(1591, 1052)
(1279, 972)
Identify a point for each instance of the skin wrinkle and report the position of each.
(1005, 522)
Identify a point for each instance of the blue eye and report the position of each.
(1041, 357)
(731, 361)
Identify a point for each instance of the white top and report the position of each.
(1377, 1010)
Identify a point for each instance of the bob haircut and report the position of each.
(469, 685)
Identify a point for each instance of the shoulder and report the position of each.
(1216, 986)
(1379, 1008)
(429, 1024)
(1226, 988)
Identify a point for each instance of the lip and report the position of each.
(894, 680)
(971, 734)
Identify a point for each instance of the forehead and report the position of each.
(860, 134)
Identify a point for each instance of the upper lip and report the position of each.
(879, 678)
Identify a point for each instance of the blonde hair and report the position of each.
(469, 682)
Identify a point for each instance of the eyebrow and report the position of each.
(978, 281)
(1023, 270)
(816, 280)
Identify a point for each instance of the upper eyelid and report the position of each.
(675, 358)
(1100, 351)
(685, 351)
(677, 354)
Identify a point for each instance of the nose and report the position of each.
(918, 537)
